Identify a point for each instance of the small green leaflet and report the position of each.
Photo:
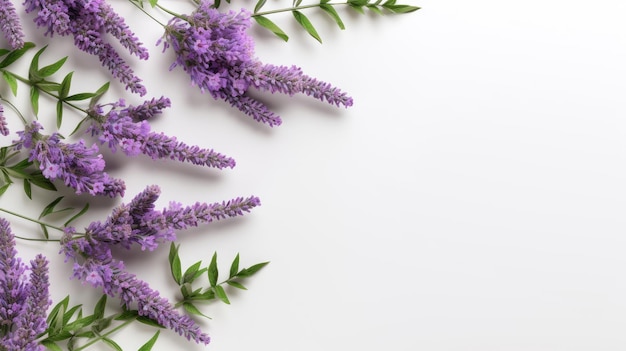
(268, 24)
(306, 24)
(148, 345)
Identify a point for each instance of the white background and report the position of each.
(472, 199)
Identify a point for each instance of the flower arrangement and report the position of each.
(213, 46)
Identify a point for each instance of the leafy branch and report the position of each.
(378, 7)
(215, 290)
(38, 82)
(68, 325)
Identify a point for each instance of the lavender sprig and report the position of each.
(139, 223)
(127, 128)
(23, 302)
(87, 21)
(217, 53)
(80, 167)
(10, 24)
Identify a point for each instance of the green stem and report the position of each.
(32, 220)
(168, 11)
(146, 12)
(14, 109)
(29, 83)
(100, 337)
(296, 8)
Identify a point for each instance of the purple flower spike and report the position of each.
(190, 216)
(217, 53)
(10, 24)
(80, 167)
(139, 223)
(127, 129)
(87, 21)
(23, 302)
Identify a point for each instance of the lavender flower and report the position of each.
(79, 166)
(214, 49)
(127, 129)
(23, 302)
(4, 128)
(139, 223)
(10, 24)
(88, 21)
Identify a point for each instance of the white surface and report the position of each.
(472, 199)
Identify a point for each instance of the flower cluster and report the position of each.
(23, 300)
(80, 167)
(10, 24)
(128, 129)
(139, 223)
(217, 53)
(87, 21)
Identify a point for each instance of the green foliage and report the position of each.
(70, 328)
(215, 289)
(23, 170)
(51, 209)
(377, 6)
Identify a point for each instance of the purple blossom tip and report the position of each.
(23, 300)
(79, 166)
(10, 24)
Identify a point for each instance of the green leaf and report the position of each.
(4, 188)
(54, 319)
(153, 3)
(78, 97)
(4, 52)
(190, 274)
(112, 344)
(39, 180)
(11, 80)
(213, 272)
(236, 285)
(258, 5)
(59, 113)
(51, 345)
(374, 8)
(221, 294)
(148, 345)
(401, 8)
(44, 231)
(17, 173)
(234, 267)
(80, 213)
(80, 323)
(50, 207)
(68, 315)
(296, 3)
(51, 69)
(16, 54)
(247, 272)
(33, 75)
(333, 13)
(268, 24)
(98, 310)
(306, 24)
(148, 321)
(127, 314)
(48, 86)
(175, 264)
(34, 99)
(98, 94)
(192, 309)
(65, 86)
